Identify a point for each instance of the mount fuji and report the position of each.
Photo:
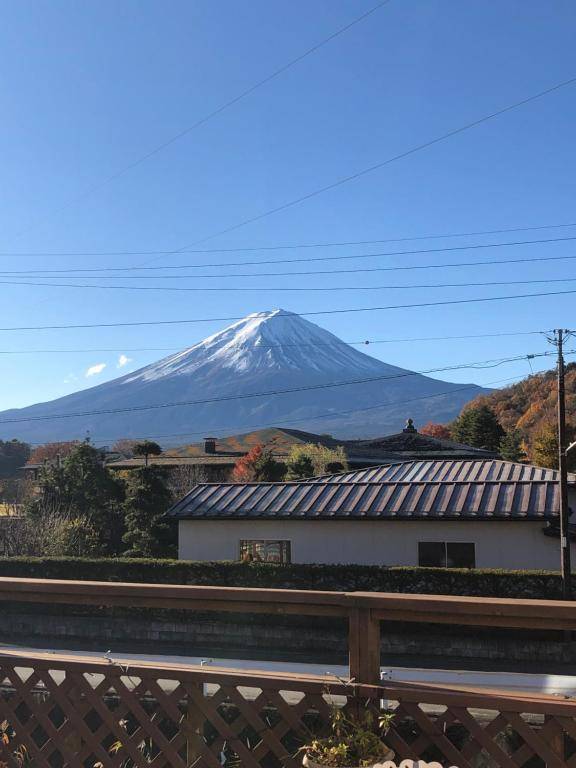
(266, 352)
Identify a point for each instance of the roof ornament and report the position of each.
(410, 428)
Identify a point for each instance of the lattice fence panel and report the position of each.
(60, 716)
(87, 714)
(469, 737)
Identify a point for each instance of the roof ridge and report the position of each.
(476, 481)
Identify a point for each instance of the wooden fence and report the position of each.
(60, 710)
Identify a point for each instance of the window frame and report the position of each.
(446, 545)
(285, 549)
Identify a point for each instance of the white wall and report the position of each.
(504, 544)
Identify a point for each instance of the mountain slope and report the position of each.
(530, 405)
(264, 352)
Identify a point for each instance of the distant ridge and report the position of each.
(264, 351)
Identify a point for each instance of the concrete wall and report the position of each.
(518, 544)
(260, 637)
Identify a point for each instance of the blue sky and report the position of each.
(87, 88)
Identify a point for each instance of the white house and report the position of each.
(453, 513)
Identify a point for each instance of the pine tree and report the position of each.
(511, 446)
(13, 455)
(146, 448)
(81, 487)
(479, 427)
(148, 533)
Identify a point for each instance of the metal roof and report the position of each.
(174, 461)
(396, 500)
(446, 470)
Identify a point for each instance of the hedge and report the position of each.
(346, 578)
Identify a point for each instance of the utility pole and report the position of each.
(558, 340)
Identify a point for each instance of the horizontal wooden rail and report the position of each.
(425, 693)
(364, 610)
(386, 606)
(132, 595)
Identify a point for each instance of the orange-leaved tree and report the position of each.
(51, 451)
(439, 431)
(258, 465)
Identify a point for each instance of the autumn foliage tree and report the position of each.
(258, 465)
(125, 447)
(529, 407)
(52, 451)
(544, 451)
(439, 431)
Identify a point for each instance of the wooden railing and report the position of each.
(365, 611)
(61, 710)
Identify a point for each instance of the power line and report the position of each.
(418, 305)
(287, 247)
(222, 108)
(316, 289)
(377, 166)
(272, 393)
(352, 271)
(327, 415)
(365, 342)
(45, 273)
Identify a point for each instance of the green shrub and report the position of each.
(345, 578)
(75, 536)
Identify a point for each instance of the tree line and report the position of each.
(78, 506)
(480, 426)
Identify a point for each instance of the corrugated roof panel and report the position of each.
(267, 503)
(241, 500)
(324, 499)
(221, 496)
(446, 470)
(417, 496)
(338, 500)
(506, 498)
(457, 502)
(305, 497)
(400, 499)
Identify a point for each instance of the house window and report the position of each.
(446, 554)
(265, 551)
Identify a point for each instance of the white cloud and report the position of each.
(123, 360)
(71, 378)
(94, 370)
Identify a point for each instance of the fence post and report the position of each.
(364, 646)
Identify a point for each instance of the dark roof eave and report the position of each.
(501, 517)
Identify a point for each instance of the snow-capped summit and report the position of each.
(243, 371)
(272, 340)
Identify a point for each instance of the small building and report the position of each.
(213, 459)
(409, 444)
(196, 468)
(482, 513)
